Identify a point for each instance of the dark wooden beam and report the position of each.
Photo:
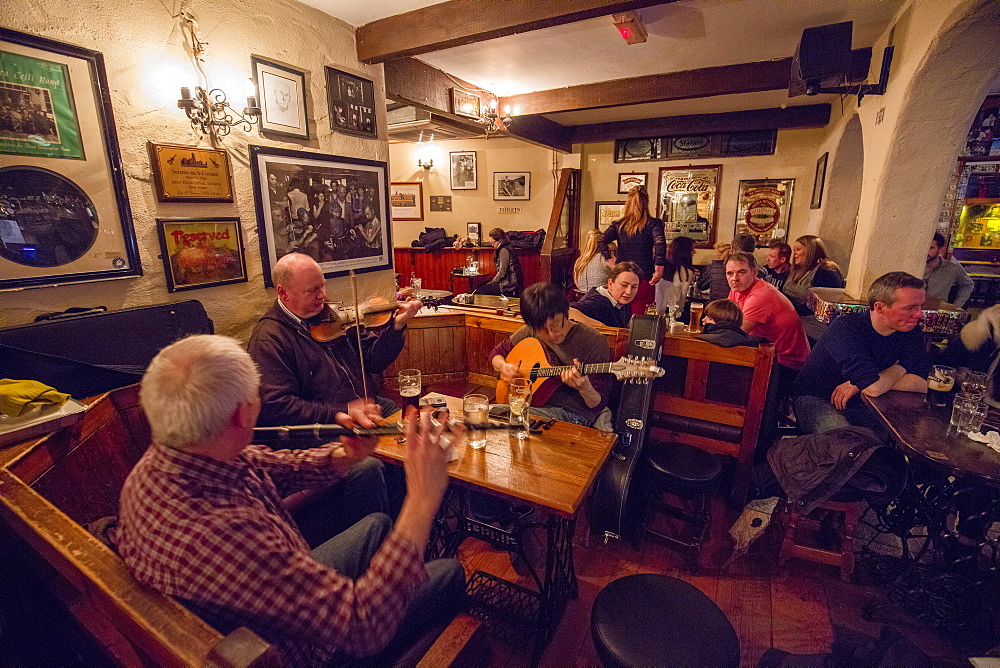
(459, 22)
(807, 116)
(542, 132)
(705, 82)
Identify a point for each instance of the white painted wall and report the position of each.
(142, 45)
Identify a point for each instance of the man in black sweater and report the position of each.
(865, 353)
(610, 304)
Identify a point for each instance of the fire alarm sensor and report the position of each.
(630, 27)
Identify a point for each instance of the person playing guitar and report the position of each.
(578, 399)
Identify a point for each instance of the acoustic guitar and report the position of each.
(530, 359)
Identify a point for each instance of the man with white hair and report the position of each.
(202, 519)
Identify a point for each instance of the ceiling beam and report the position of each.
(704, 82)
(418, 84)
(807, 116)
(459, 22)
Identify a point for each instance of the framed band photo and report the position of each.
(352, 103)
(511, 186)
(184, 173)
(629, 180)
(66, 215)
(201, 252)
(334, 209)
(462, 166)
(281, 91)
(406, 200)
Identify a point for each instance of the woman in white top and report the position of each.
(591, 270)
(678, 275)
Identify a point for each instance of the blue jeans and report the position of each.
(816, 415)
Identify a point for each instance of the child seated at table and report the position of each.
(721, 325)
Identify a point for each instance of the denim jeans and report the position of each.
(816, 415)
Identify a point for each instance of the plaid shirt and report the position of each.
(216, 535)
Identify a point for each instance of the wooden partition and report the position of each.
(434, 268)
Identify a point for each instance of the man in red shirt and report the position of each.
(768, 313)
(202, 519)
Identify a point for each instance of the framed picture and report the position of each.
(818, 182)
(406, 201)
(352, 104)
(66, 215)
(465, 104)
(511, 185)
(332, 208)
(475, 232)
(763, 209)
(190, 173)
(688, 202)
(281, 91)
(201, 252)
(463, 170)
(629, 180)
(607, 213)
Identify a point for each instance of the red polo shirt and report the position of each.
(776, 321)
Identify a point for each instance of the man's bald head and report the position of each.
(300, 283)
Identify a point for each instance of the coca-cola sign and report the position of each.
(687, 202)
(698, 185)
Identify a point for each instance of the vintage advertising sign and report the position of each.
(201, 252)
(688, 202)
(763, 208)
(190, 173)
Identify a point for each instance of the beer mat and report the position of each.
(937, 455)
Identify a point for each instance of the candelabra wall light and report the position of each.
(426, 164)
(493, 121)
(210, 112)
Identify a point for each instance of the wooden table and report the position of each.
(462, 283)
(551, 471)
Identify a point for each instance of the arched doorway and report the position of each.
(840, 211)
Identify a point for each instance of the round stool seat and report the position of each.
(682, 467)
(657, 620)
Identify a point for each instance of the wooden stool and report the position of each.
(844, 558)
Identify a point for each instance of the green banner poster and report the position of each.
(37, 116)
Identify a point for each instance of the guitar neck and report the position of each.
(585, 369)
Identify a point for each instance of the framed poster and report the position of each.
(465, 104)
(629, 180)
(201, 252)
(65, 212)
(818, 182)
(606, 213)
(332, 208)
(190, 173)
(281, 91)
(475, 232)
(406, 201)
(763, 209)
(511, 185)
(352, 104)
(462, 165)
(688, 202)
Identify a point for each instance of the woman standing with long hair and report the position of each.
(641, 240)
(811, 268)
(591, 270)
(678, 275)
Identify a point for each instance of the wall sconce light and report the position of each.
(493, 121)
(426, 164)
(211, 114)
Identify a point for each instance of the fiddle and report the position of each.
(336, 318)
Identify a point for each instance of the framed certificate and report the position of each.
(190, 173)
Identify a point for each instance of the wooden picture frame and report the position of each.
(606, 213)
(406, 200)
(183, 173)
(510, 186)
(465, 104)
(764, 209)
(463, 171)
(688, 202)
(352, 103)
(74, 177)
(629, 180)
(818, 182)
(474, 231)
(201, 252)
(281, 94)
(307, 203)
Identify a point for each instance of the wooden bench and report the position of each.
(52, 486)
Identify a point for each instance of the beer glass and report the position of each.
(974, 382)
(409, 387)
(961, 410)
(697, 309)
(940, 382)
(519, 401)
(416, 284)
(476, 410)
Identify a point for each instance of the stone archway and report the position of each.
(840, 210)
(907, 175)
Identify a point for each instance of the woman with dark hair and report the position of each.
(641, 240)
(811, 268)
(678, 275)
(507, 281)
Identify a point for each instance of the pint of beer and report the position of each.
(697, 310)
(940, 382)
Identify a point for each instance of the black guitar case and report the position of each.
(615, 508)
(85, 352)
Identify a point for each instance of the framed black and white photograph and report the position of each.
(629, 180)
(817, 196)
(463, 170)
(281, 92)
(352, 103)
(334, 209)
(66, 215)
(511, 185)
(406, 200)
(201, 252)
